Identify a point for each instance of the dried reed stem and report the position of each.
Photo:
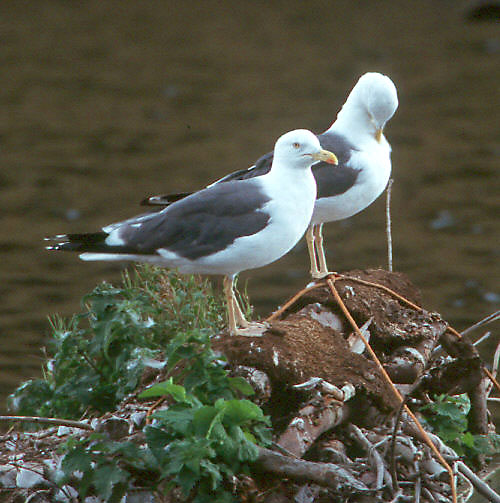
(388, 224)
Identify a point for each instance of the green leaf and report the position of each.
(187, 479)
(239, 412)
(76, 460)
(467, 439)
(487, 444)
(157, 439)
(168, 387)
(178, 417)
(106, 477)
(246, 451)
(241, 385)
(203, 419)
(213, 472)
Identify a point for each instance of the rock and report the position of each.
(7, 476)
(30, 476)
(139, 497)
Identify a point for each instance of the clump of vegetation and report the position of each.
(208, 433)
(171, 423)
(447, 417)
(97, 357)
(198, 448)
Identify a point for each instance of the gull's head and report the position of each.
(301, 149)
(371, 103)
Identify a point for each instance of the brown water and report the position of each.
(102, 103)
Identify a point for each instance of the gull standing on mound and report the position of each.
(223, 229)
(364, 162)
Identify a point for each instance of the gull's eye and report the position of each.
(296, 145)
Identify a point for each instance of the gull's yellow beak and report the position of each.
(378, 134)
(325, 156)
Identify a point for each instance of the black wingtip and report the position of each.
(77, 242)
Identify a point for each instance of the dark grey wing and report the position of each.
(202, 224)
(261, 167)
(333, 181)
(330, 181)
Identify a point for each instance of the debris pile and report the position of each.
(340, 430)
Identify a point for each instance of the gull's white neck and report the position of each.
(355, 123)
(286, 177)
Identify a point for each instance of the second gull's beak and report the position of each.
(325, 156)
(378, 134)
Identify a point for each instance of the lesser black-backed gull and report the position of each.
(364, 168)
(223, 229)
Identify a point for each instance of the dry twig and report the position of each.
(388, 226)
(323, 474)
(48, 420)
(485, 321)
(481, 486)
(294, 299)
(153, 408)
(323, 414)
(381, 472)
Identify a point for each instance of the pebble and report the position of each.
(7, 476)
(30, 477)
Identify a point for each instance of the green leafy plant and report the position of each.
(447, 416)
(105, 468)
(209, 432)
(201, 447)
(98, 356)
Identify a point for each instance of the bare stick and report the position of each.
(388, 226)
(152, 409)
(381, 472)
(488, 319)
(310, 422)
(496, 358)
(395, 391)
(481, 486)
(482, 338)
(323, 474)
(294, 299)
(418, 483)
(48, 420)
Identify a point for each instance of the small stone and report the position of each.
(64, 430)
(138, 418)
(139, 497)
(30, 477)
(7, 476)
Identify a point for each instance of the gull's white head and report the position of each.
(300, 149)
(370, 104)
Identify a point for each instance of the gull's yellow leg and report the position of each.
(236, 316)
(318, 243)
(238, 313)
(229, 294)
(312, 252)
